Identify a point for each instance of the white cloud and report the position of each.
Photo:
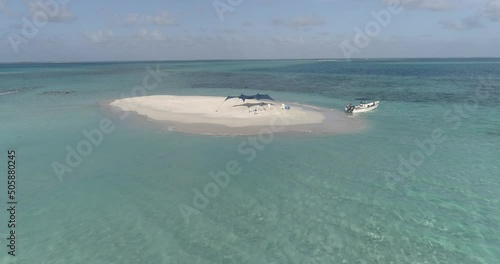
(464, 24)
(492, 10)
(299, 22)
(63, 15)
(100, 36)
(433, 5)
(162, 19)
(151, 35)
(108, 36)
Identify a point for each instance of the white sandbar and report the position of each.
(211, 115)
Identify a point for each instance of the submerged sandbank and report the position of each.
(213, 115)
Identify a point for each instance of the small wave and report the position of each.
(58, 92)
(8, 92)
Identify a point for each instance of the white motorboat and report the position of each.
(363, 106)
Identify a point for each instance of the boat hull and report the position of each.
(362, 108)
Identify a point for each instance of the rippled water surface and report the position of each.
(419, 185)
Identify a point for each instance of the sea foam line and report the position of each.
(8, 92)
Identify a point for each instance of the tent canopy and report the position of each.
(245, 97)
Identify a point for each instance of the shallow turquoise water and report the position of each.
(328, 199)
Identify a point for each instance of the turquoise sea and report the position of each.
(421, 184)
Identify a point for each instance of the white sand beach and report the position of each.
(213, 115)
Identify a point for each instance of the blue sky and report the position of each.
(70, 30)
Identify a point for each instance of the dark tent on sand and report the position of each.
(245, 97)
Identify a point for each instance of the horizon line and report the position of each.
(243, 59)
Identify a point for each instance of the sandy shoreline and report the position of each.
(211, 115)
